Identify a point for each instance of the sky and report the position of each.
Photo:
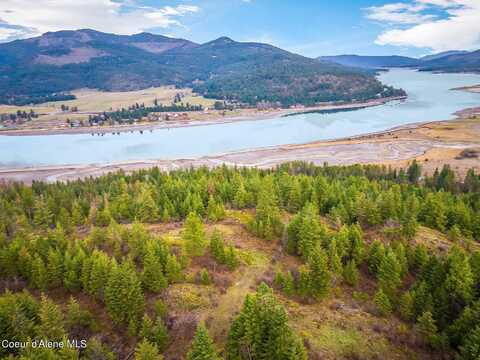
(308, 27)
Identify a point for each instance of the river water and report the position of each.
(429, 98)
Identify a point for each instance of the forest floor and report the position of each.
(433, 144)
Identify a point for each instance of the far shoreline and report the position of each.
(150, 126)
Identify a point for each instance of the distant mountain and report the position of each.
(456, 62)
(57, 62)
(449, 61)
(371, 62)
(442, 54)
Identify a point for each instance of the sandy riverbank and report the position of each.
(473, 88)
(212, 119)
(432, 144)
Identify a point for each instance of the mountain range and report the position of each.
(48, 66)
(448, 61)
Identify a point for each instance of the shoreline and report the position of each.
(432, 143)
(148, 126)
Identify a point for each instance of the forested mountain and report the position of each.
(54, 63)
(456, 62)
(442, 54)
(133, 264)
(448, 61)
(372, 62)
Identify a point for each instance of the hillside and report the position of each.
(36, 69)
(334, 263)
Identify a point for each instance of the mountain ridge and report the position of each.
(246, 72)
(448, 61)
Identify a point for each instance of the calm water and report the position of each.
(430, 98)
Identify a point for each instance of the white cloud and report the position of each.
(121, 16)
(458, 28)
(399, 13)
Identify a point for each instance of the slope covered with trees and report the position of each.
(111, 261)
(46, 67)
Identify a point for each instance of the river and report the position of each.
(429, 98)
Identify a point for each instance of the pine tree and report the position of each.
(50, 321)
(96, 350)
(406, 306)
(357, 246)
(152, 276)
(414, 172)
(389, 274)
(154, 332)
(261, 331)
(99, 273)
(471, 349)
(204, 277)
(454, 234)
(147, 351)
(202, 346)
(376, 254)
(39, 274)
(289, 285)
(336, 266)
(309, 232)
(382, 302)
(146, 210)
(231, 259)
(123, 295)
(319, 275)
(427, 328)
(77, 317)
(194, 235)
(217, 246)
(173, 269)
(350, 273)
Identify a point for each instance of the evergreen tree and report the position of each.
(350, 273)
(382, 302)
(147, 351)
(471, 349)
(389, 274)
(202, 346)
(173, 269)
(319, 275)
(194, 235)
(123, 295)
(427, 328)
(217, 246)
(154, 332)
(414, 172)
(96, 350)
(50, 325)
(406, 306)
(39, 274)
(261, 331)
(289, 285)
(153, 278)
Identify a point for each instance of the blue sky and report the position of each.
(308, 27)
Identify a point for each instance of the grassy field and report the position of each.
(94, 101)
